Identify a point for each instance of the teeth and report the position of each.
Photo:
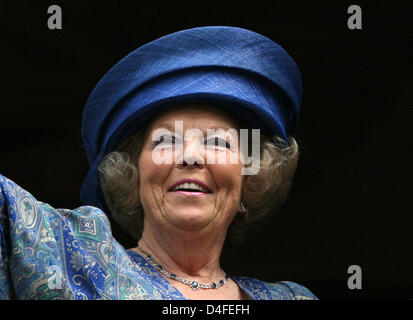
(191, 186)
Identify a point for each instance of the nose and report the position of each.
(193, 154)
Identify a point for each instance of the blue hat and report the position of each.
(235, 68)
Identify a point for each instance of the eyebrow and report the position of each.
(166, 125)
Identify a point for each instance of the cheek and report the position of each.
(151, 175)
(229, 178)
(229, 181)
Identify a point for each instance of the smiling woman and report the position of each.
(181, 195)
(189, 204)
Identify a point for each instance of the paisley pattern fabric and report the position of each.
(49, 253)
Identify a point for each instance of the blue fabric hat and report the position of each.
(236, 68)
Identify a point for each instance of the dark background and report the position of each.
(351, 201)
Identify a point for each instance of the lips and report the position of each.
(190, 185)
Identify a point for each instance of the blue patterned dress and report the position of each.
(49, 253)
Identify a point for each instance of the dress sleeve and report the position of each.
(49, 253)
(32, 261)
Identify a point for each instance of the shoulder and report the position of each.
(290, 290)
(282, 290)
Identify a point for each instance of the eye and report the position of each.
(218, 142)
(164, 139)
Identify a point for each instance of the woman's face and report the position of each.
(191, 178)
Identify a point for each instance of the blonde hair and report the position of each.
(262, 193)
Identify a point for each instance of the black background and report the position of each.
(351, 201)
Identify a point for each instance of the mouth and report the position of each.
(190, 186)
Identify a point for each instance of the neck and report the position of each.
(189, 254)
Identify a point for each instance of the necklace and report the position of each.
(195, 285)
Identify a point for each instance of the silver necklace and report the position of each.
(195, 285)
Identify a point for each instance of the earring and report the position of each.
(244, 208)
